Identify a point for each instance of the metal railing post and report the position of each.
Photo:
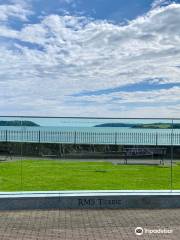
(75, 137)
(172, 151)
(39, 136)
(6, 135)
(115, 138)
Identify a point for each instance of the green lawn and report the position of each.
(32, 175)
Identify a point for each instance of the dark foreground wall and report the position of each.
(91, 200)
(70, 151)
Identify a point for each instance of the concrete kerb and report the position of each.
(90, 200)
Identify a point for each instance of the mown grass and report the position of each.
(44, 175)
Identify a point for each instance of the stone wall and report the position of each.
(71, 150)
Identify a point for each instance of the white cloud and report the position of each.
(159, 3)
(67, 55)
(13, 10)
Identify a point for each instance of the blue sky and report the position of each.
(117, 11)
(90, 58)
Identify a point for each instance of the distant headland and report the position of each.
(148, 125)
(17, 123)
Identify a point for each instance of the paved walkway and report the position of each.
(88, 224)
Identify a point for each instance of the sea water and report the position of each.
(90, 135)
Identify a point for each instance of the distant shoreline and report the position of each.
(24, 123)
(142, 126)
(17, 123)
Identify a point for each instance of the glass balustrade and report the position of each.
(49, 154)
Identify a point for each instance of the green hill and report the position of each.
(143, 125)
(17, 123)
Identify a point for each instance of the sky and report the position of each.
(98, 58)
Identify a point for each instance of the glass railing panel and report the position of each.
(41, 159)
(10, 154)
(175, 151)
(143, 154)
(96, 154)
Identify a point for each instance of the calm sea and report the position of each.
(91, 135)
